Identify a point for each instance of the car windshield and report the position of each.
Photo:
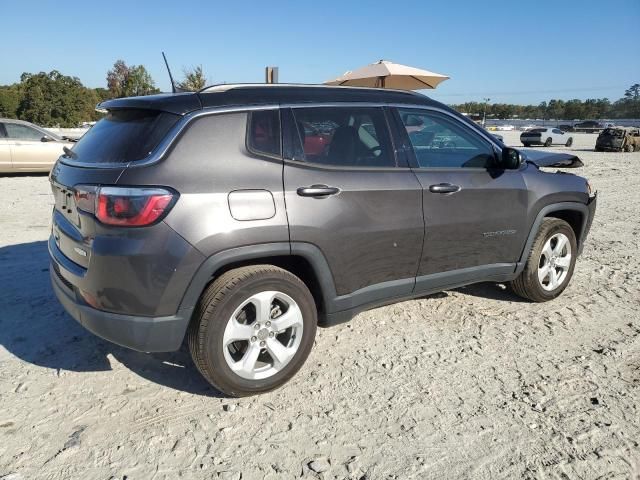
(123, 136)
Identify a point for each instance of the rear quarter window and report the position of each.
(263, 133)
(124, 136)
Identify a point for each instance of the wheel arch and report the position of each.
(574, 213)
(304, 260)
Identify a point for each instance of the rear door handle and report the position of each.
(444, 188)
(317, 191)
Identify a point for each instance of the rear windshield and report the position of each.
(611, 132)
(123, 136)
(537, 130)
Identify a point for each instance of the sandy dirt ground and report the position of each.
(471, 383)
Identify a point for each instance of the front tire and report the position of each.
(551, 262)
(569, 142)
(629, 148)
(548, 142)
(252, 330)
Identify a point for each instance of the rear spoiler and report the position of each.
(177, 103)
(546, 159)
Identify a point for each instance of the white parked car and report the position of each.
(545, 136)
(25, 147)
(505, 128)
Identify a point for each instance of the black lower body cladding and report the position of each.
(132, 289)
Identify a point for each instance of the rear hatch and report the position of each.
(98, 159)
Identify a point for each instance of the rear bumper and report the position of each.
(145, 334)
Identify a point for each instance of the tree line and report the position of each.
(53, 99)
(594, 108)
(56, 100)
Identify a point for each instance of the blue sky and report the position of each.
(509, 51)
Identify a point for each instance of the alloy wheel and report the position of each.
(555, 261)
(262, 335)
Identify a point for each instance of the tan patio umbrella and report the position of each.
(384, 74)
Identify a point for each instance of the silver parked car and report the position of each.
(545, 136)
(25, 147)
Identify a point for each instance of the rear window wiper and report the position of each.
(69, 153)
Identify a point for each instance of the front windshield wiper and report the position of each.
(69, 153)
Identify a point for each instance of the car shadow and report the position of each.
(35, 328)
(493, 291)
(24, 174)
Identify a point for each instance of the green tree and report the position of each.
(194, 79)
(53, 99)
(633, 92)
(128, 81)
(10, 96)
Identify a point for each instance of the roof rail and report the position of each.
(224, 87)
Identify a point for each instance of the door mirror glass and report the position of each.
(510, 159)
(46, 138)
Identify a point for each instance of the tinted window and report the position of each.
(123, 136)
(538, 130)
(558, 132)
(22, 132)
(264, 132)
(440, 141)
(343, 136)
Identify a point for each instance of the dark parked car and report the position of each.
(591, 126)
(566, 128)
(617, 139)
(207, 215)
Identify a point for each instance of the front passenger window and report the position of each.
(440, 141)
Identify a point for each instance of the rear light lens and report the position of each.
(125, 206)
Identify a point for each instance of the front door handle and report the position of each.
(317, 191)
(444, 188)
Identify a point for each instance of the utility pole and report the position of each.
(271, 75)
(484, 112)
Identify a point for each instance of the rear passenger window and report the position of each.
(440, 141)
(342, 136)
(264, 132)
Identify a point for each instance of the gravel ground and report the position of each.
(471, 383)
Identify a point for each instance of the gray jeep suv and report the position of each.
(242, 216)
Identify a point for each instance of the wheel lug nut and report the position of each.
(253, 339)
(272, 334)
(263, 343)
(257, 326)
(268, 324)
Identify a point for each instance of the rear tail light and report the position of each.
(125, 206)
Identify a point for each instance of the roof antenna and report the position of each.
(174, 89)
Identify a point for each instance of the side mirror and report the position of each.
(510, 159)
(46, 138)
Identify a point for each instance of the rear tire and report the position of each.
(526, 144)
(235, 335)
(569, 142)
(551, 262)
(548, 142)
